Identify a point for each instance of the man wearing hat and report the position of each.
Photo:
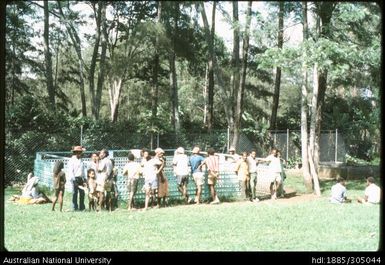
(75, 173)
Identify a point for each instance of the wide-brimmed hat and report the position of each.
(78, 148)
(159, 150)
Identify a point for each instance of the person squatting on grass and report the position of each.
(131, 170)
(162, 178)
(181, 171)
(59, 181)
(372, 193)
(242, 170)
(195, 161)
(338, 192)
(75, 172)
(212, 164)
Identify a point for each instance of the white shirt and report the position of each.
(338, 193)
(181, 165)
(275, 164)
(252, 162)
(150, 168)
(75, 168)
(373, 192)
(131, 170)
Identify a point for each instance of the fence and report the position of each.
(227, 186)
(20, 150)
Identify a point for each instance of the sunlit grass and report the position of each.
(314, 225)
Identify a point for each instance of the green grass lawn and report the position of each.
(282, 225)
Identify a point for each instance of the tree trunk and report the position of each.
(155, 84)
(102, 64)
(173, 76)
(76, 42)
(304, 108)
(224, 94)
(114, 92)
(48, 59)
(235, 92)
(277, 84)
(91, 75)
(210, 90)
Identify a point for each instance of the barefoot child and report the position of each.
(59, 181)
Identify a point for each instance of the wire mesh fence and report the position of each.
(21, 150)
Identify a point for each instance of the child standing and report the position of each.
(59, 181)
(242, 170)
(131, 170)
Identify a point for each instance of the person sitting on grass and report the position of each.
(372, 193)
(59, 181)
(338, 192)
(31, 193)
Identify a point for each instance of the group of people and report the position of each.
(100, 181)
(372, 193)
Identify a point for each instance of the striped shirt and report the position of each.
(212, 163)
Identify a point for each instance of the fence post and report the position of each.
(157, 140)
(287, 144)
(228, 138)
(151, 140)
(81, 135)
(336, 149)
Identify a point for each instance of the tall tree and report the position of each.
(68, 22)
(304, 104)
(155, 83)
(235, 77)
(277, 83)
(173, 75)
(103, 55)
(91, 75)
(210, 72)
(48, 59)
(18, 36)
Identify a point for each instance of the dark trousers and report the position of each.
(75, 204)
(253, 184)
